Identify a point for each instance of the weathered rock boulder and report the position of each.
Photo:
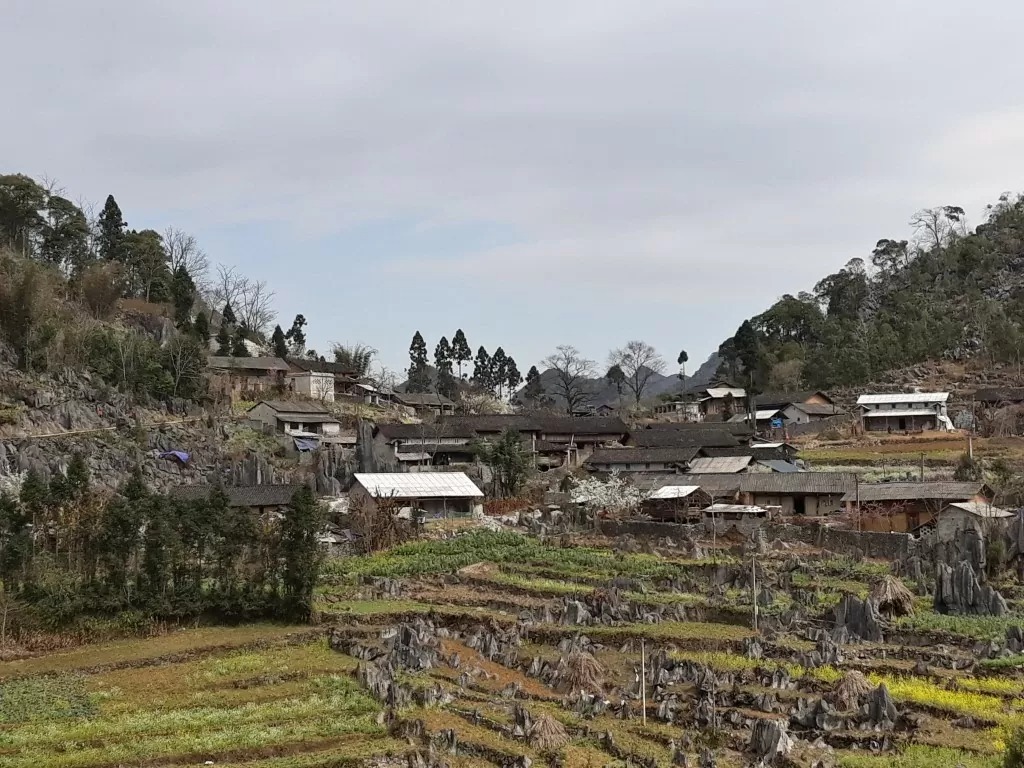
(959, 592)
(857, 619)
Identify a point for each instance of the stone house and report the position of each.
(414, 494)
(316, 385)
(296, 419)
(343, 379)
(793, 493)
(426, 403)
(259, 499)
(906, 507)
(904, 412)
(959, 516)
(664, 460)
(233, 376)
(675, 503)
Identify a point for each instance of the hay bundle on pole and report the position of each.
(546, 733)
(582, 672)
(850, 689)
(892, 597)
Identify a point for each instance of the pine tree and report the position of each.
(461, 353)
(499, 371)
(295, 334)
(300, 552)
(279, 343)
(419, 378)
(482, 370)
(78, 476)
(238, 347)
(443, 364)
(228, 315)
(201, 329)
(513, 378)
(224, 341)
(111, 237)
(534, 389)
(183, 295)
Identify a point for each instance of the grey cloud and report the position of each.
(639, 139)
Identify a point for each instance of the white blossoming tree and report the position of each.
(614, 496)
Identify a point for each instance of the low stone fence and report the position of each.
(888, 546)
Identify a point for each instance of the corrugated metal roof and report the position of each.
(247, 363)
(980, 509)
(294, 406)
(735, 509)
(419, 485)
(905, 397)
(777, 483)
(780, 466)
(642, 455)
(729, 464)
(674, 492)
(721, 392)
(758, 415)
(899, 412)
(949, 491)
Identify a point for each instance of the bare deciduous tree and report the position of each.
(183, 251)
(639, 362)
(186, 363)
(322, 388)
(572, 374)
(228, 285)
(933, 227)
(254, 308)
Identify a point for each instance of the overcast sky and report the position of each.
(536, 173)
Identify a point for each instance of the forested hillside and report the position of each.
(946, 293)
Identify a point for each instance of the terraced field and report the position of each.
(494, 649)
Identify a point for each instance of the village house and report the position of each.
(785, 399)
(979, 516)
(684, 436)
(905, 507)
(794, 493)
(258, 499)
(315, 385)
(418, 494)
(301, 420)
(343, 380)
(720, 464)
(715, 401)
(687, 410)
(233, 376)
(906, 412)
(426, 444)
(675, 503)
(664, 460)
(764, 419)
(426, 403)
(999, 397)
(998, 411)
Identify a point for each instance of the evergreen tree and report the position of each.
(443, 364)
(617, 377)
(201, 329)
(534, 389)
(513, 378)
(300, 553)
(78, 476)
(682, 360)
(419, 377)
(238, 347)
(224, 341)
(65, 236)
(228, 314)
(461, 353)
(295, 334)
(183, 295)
(279, 343)
(110, 240)
(499, 371)
(15, 543)
(482, 370)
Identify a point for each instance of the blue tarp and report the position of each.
(179, 455)
(306, 444)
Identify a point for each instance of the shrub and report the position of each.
(100, 286)
(1014, 755)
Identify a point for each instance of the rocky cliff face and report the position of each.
(44, 421)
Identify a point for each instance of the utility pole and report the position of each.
(643, 681)
(922, 467)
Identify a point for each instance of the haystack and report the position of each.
(547, 733)
(582, 672)
(892, 597)
(850, 689)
